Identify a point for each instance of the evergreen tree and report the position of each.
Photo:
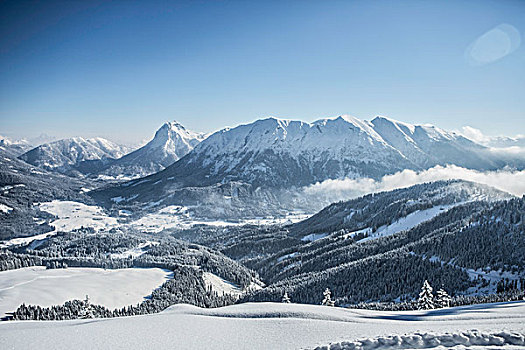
(286, 298)
(442, 298)
(87, 309)
(426, 299)
(327, 301)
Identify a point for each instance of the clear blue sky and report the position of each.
(120, 69)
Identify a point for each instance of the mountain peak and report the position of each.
(273, 121)
(171, 142)
(173, 130)
(173, 125)
(380, 119)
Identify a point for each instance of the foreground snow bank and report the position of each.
(266, 326)
(472, 338)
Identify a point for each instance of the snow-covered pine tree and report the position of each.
(442, 298)
(87, 309)
(426, 299)
(286, 298)
(327, 301)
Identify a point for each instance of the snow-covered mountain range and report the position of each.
(67, 154)
(101, 158)
(171, 142)
(283, 153)
(14, 147)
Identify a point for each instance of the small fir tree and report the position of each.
(426, 299)
(327, 301)
(87, 309)
(286, 298)
(442, 298)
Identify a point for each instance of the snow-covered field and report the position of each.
(73, 215)
(261, 326)
(111, 288)
(175, 216)
(135, 251)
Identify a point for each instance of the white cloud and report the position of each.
(474, 134)
(333, 190)
(508, 153)
(505, 147)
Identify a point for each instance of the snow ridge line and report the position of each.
(430, 340)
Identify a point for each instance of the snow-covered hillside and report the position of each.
(68, 216)
(403, 224)
(21, 186)
(394, 211)
(171, 142)
(270, 326)
(67, 154)
(427, 145)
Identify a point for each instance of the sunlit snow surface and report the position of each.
(255, 326)
(111, 288)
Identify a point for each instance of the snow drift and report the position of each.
(429, 340)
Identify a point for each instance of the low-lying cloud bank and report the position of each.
(508, 146)
(510, 181)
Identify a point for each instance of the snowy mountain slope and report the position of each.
(427, 145)
(270, 326)
(281, 153)
(375, 210)
(342, 223)
(171, 142)
(14, 147)
(479, 236)
(67, 154)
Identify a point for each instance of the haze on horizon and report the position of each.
(120, 69)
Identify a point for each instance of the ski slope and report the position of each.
(258, 326)
(403, 224)
(111, 288)
(220, 285)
